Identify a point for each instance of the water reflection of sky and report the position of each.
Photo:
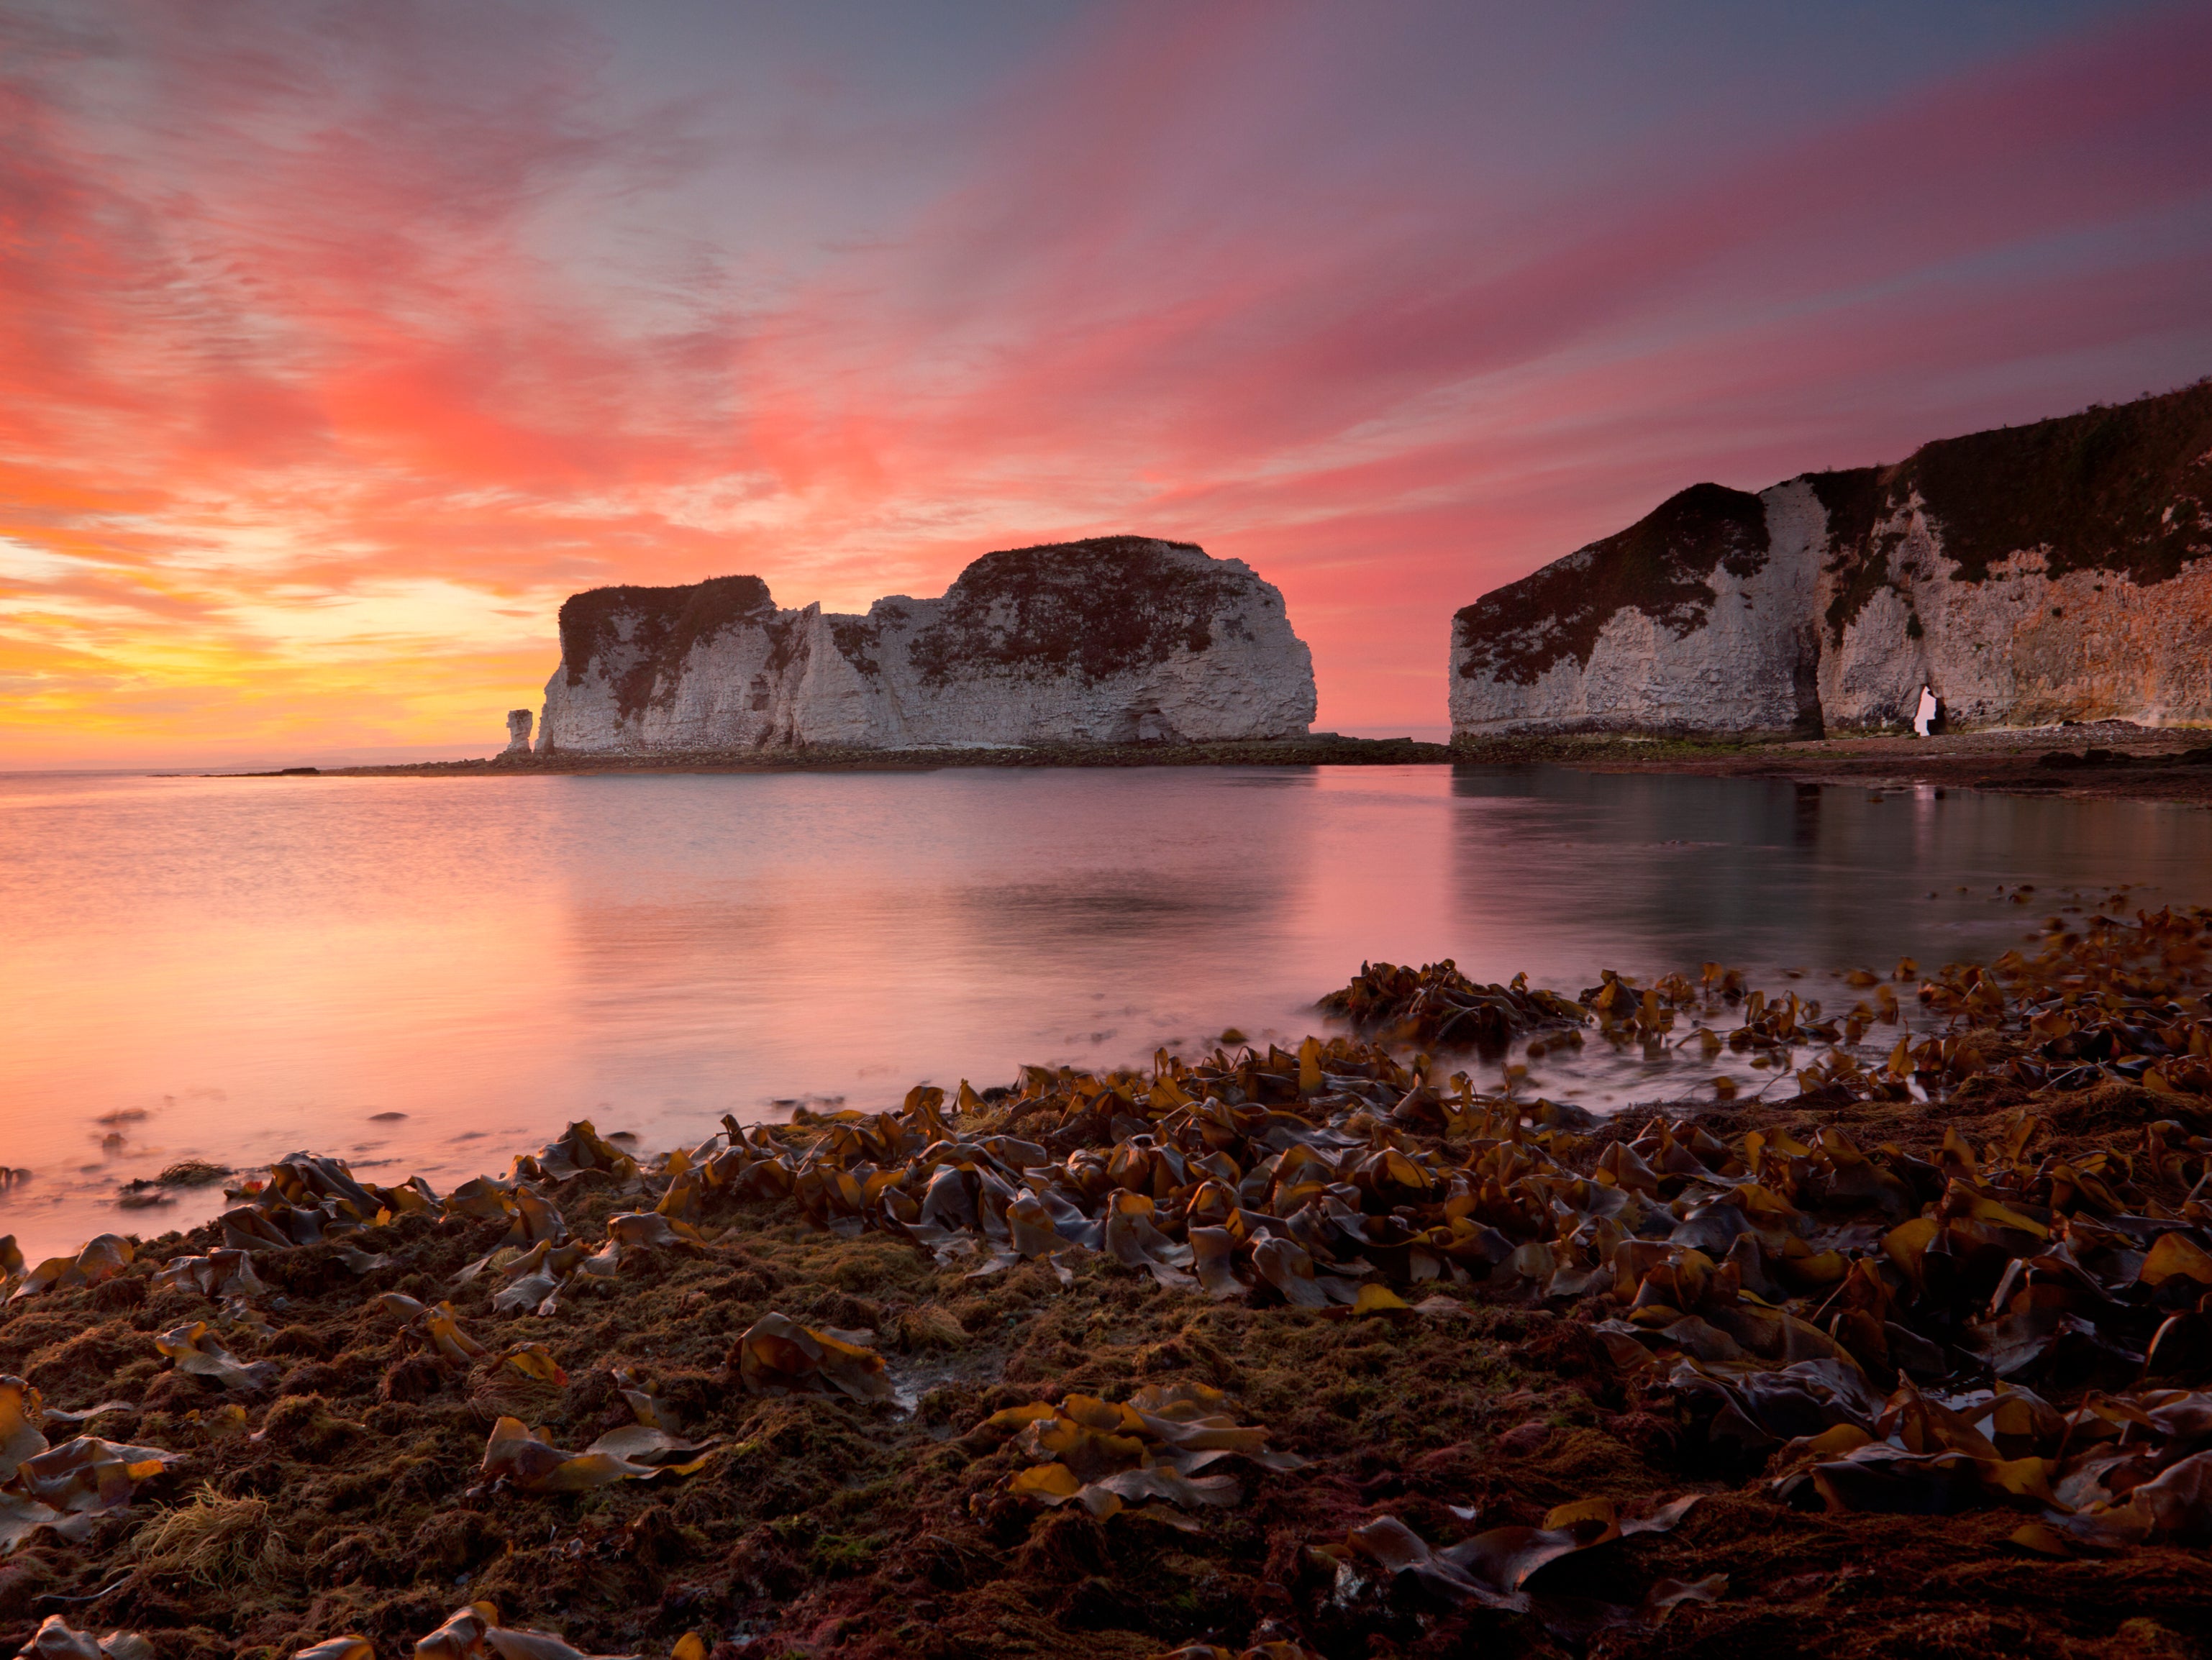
(255, 966)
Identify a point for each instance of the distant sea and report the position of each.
(230, 969)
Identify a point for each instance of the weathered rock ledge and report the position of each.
(2108, 760)
(1316, 749)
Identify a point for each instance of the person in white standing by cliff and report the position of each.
(1925, 716)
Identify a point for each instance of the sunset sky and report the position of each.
(339, 342)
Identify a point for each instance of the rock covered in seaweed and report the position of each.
(1120, 639)
(1437, 1006)
(2057, 571)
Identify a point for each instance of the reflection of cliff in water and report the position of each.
(955, 924)
(1673, 871)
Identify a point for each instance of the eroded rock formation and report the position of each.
(518, 732)
(2027, 575)
(1116, 639)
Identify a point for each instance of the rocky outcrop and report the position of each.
(1116, 639)
(518, 732)
(2028, 575)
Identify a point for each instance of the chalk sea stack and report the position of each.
(2028, 575)
(1116, 639)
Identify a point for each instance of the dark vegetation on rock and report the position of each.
(2123, 487)
(858, 639)
(1102, 607)
(667, 624)
(1658, 565)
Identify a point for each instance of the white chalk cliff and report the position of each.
(1115, 640)
(2032, 575)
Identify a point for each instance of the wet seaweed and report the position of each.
(1315, 1350)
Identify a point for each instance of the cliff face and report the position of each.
(1115, 640)
(2059, 571)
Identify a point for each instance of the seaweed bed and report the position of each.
(1328, 1351)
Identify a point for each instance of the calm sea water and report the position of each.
(231, 969)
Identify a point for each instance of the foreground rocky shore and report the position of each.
(1327, 1351)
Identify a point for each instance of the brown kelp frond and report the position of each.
(102, 1259)
(475, 1633)
(778, 1356)
(56, 1640)
(350, 1645)
(194, 1350)
(1494, 1568)
(529, 1460)
(1108, 1457)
